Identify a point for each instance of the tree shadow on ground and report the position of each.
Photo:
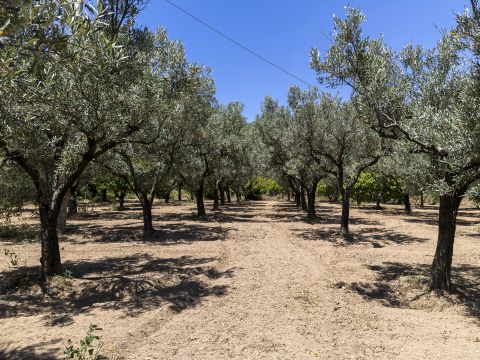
(426, 215)
(378, 237)
(285, 212)
(131, 284)
(11, 234)
(166, 234)
(31, 352)
(176, 233)
(399, 285)
(212, 217)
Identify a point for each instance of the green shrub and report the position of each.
(261, 186)
(328, 188)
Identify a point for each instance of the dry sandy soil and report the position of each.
(255, 281)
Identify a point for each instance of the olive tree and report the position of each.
(344, 147)
(284, 132)
(233, 149)
(68, 94)
(148, 164)
(426, 100)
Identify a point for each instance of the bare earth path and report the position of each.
(256, 282)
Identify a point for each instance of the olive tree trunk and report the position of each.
(62, 215)
(199, 195)
(298, 202)
(303, 201)
(121, 200)
(406, 202)
(379, 198)
(237, 196)
(73, 202)
(221, 191)
(229, 198)
(442, 262)
(148, 228)
(215, 199)
(345, 212)
(50, 248)
(104, 195)
(311, 195)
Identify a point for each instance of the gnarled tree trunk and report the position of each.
(215, 199)
(221, 191)
(298, 202)
(199, 196)
(379, 198)
(148, 228)
(62, 215)
(229, 198)
(406, 202)
(345, 212)
(312, 192)
(442, 262)
(303, 201)
(50, 248)
(73, 203)
(121, 200)
(237, 196)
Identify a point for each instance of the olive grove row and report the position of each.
(86, 95)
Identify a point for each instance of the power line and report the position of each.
(233, 41)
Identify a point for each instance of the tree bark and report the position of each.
(215, 199)
(192, 196)
(406, 201)
(312, 192)
(62, 215)
(345, 212)
(221, 191)
(422, 199)
(50, 248)
(73, 203)
(167, 197)
(121, 200)
(442, 262)
(298, 202)
(229, 198)
(237, 196)
(147, 217)
(199, 196)
(379, 198)
(104, 195)
(303, 201)
(180, 192)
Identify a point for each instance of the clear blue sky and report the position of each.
(284, 31)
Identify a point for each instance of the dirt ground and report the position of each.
(255, 281)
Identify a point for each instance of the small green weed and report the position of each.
(85, 350)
